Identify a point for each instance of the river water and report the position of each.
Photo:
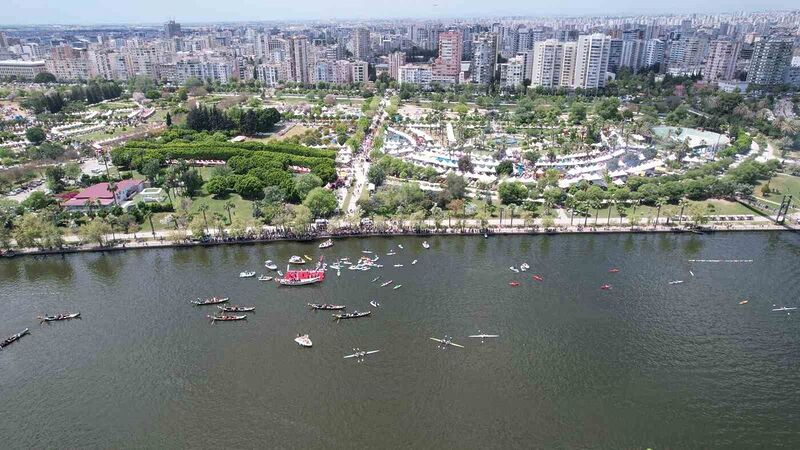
(645, 364)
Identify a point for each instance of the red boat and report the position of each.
(537, 277)
(301, 277)
(605, 287)
(613, 270)
(514, 284)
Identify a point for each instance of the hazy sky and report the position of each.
(155, 11)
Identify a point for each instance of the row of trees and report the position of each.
(247, 122)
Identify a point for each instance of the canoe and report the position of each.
(352, 315)
(210, 301)
(326, 306)
(237, 308)
(397, 287)
(59, 317)
(14, 338)
(227, 318)
(514, 283)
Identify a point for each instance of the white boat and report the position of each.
(391, 254)
(387, 283)
(400, 246)
(303, 341)
(247, 274)
(375, 279)
(366, 251)
(426, 245)
(270, 265)
(446, 342)
(398, 265)
(676, 282)
(374, 303)
(360, 354)
(784, 308)
(524, 266)
(484, 336)
(413, 262)
(513, 269)
(264, 278)
(295, 259)
(397, 287)
(326, 244)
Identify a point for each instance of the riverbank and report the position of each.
(168, 240)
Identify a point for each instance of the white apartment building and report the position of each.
(591, 61)
(553, 63)
(360, 71)
(512, 73)
(22, 70)
(396, 60)
(484, 58)
(721, 61)
(419, 74)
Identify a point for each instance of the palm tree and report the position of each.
(203, 208)
(229, 205)
(111, 221)
(659, 203)
(218, 218)
(149, 215)
(684, 203)
(112, 187)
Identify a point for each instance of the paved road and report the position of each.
(360, 163)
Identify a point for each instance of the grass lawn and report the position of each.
(296, 130)
(720, 207)
(781, 184)
(243, 208)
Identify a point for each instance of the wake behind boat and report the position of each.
(326, 306)
(13, 338)
(59, 317)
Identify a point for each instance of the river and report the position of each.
(644, 364)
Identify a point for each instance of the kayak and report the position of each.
(59, 317)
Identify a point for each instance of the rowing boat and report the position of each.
(307, 257)
(13, 338)
(676, 282)
(326, 306)
(210, 301)
(513, 269)
(375, 279)
(784, 308)
(386, 283)
(483, 336)
(352, 315)
(397, 287)
(446, 342)
(59, 317)
(413, 262)
(361, 354)
(537, 277)
(237, 308)
(227, 318)
(514, 283)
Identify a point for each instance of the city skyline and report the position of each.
(91, 12)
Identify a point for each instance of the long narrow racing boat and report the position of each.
(326, 306)
(14, 338)
(210, 301)
(227, 318)
(352, 315)
(237, 308)
(59, 317)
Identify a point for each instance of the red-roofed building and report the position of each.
(101, 197)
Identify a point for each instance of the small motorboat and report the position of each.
(326, 244)
(537, 277)
(413, 262)
(13, 338)
(614, 270)
(386, 283)
(513, 269)
(307, 257)
(605, 287)
(374, 303)
(426, 245)
(743, 302)
(524, 266)
(375, 279)
(210, 301)
(397, 287)
(237, 308)
(247, 274)
(326, 306)
(398, 265)
(352, 315)
(59, 317)
(264, 278)
(676, 282)
(270, 265)
(295, 259)
(514, 283)
(303, 341)
(400, 246)
(227, 318)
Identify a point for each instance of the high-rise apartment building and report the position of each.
(484, 58)
(448, 65)
(591, 61)
(771, 60)
(172, 29)
(297, 58)
(420, 74)
(553, 63)
(396, 60)
(360, 71)
(361, 44)
(654, 53)
(512, 73)
(721, 61)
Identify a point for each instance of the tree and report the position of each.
(305, 183)
(55, 178)
(168, 120)
(35, 135)
(465, 164)
(203, 208)
(72, 170)
(217, 186)
(151, 169)
(376, 175)
(321, 202)
(249, 186)
(95, 231)
(456, 185)
(228, 206)
(302, 215)
(532, 156)
(512, 192)
(38, 200)
(44, 77)
(505, 167)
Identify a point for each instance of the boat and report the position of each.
(264, 278)
(426, 245)
(59, 317)
(366, 251)
(210, 301)
(524, 266)
(676, 282)
(486, 235)
(537, 277)
(514, 283)
(375, 279)
(301, 277)
(413, 262)
(398, 265)
(615, 270)
(326, 306)
(270, 265)
(390, 253)
(386, 283)
(784, 308)
(483, 336)
(605, 287)
(360, 354)
(307, 257)
(227, 318)
(352, 315)
(400, 246)
(446, 342)
(303, 341)
(13, 338)
(513, 269)
(295, 259)
(374, 303)
(743, 302)
(237, 308)
(691, 273)
(326, 244)
(397, 287)
(247, 274)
